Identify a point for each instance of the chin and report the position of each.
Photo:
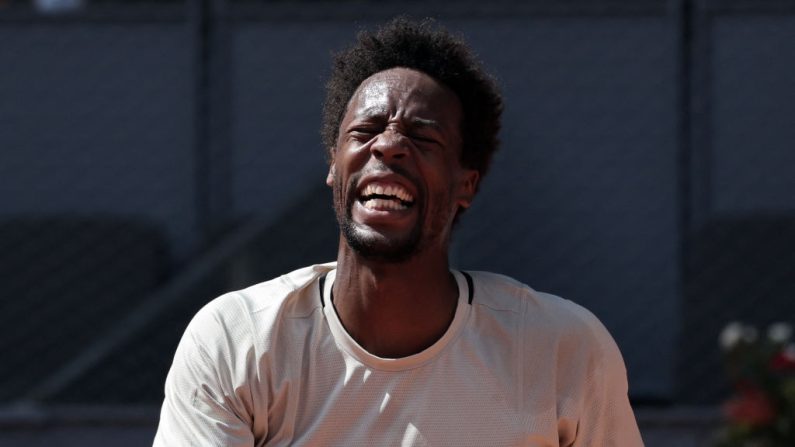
(377, 247)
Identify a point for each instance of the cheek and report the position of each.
(344, 189)
(442, 195)
(440, 183)
(337, 188)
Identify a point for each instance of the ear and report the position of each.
(331, 171)
(468, 186)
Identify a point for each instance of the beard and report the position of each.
(367, 242)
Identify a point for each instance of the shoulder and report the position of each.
(560, 345)
(543, 316)
(241, 315)
(291, 293)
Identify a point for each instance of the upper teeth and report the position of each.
(388, 190)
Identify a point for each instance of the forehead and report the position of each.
(400, 91)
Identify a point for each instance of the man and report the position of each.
(389, 346)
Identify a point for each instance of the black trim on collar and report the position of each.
(470, 285)
(321, 283)
(467, 276)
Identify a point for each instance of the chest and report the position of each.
(465, 397)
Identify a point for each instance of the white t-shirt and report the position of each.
(272, 365)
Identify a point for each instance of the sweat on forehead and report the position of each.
(382, 91)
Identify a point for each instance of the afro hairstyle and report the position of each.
(425, 47)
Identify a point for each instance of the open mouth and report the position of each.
(385, 197)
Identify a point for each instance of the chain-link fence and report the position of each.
(156, 155)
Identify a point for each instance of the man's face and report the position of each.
(396, 170)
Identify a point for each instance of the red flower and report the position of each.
(751, 407)
(783, 361)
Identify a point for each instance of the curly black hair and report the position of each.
(425, 47)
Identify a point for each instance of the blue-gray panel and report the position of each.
(753, 114)
(98, 119)
(582, 199)
(279, 77)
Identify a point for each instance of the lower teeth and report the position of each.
(384, 204)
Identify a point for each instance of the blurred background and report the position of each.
(156, 154)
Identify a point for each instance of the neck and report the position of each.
(394, 309)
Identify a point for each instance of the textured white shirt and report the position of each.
(272, 365)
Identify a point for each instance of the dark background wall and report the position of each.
(643, 142)
(98, 118)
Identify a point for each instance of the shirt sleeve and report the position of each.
(607, 418)
(202, 405)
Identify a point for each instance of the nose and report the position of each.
(390, 145)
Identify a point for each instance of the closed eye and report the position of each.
(362, 133)
(424, 139)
